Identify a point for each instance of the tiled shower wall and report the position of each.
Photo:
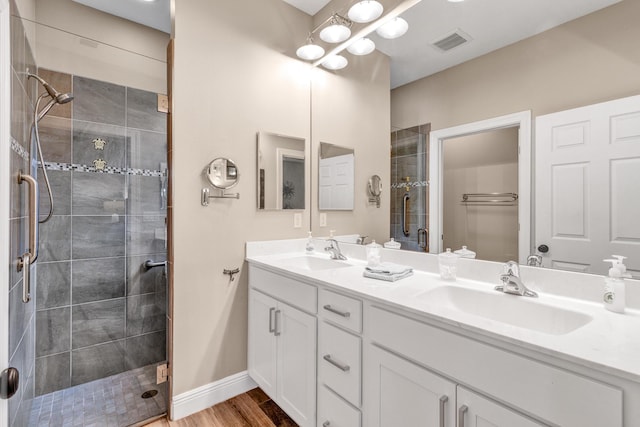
(409, 174)
(99, 312)
(21, 315)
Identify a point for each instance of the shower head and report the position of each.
(56, 97)
(59, 98)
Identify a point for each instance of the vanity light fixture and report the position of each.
(363, 46)
(365, 11)
(337, 31)
(310, 51)
(335, 62)
(393, 29)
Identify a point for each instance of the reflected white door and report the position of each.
(335, 183)
(587, 199)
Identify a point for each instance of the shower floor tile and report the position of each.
(113, 401)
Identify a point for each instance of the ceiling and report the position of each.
(491, 24)
(155, 14)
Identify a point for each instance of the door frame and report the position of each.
(437, 138)
(5, 193)
(281, 154)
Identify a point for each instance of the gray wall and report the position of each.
(98, 312)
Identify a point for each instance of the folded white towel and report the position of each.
(387, 277)
(389, 268)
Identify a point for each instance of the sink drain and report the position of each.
(149, 394)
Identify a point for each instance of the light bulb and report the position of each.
(393, 29)
(365, 11)
(335, 62)
(335, 33)
(310, 51)
(363, 46)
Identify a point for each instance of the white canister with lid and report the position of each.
(392, 244)
(465, 253)
(447, 262)
(374, 254)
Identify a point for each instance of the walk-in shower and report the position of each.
(89, 334)
(409, 187)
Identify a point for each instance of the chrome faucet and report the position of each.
(361, 240)
(334, 250)
(511, 282)
(534, 260)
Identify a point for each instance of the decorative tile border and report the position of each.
(19, 149)
(409, 184)
(53, 166)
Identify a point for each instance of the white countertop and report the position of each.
(610, 342)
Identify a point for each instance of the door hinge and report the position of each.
(161, 373)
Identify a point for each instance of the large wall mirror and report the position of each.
(281, 172)
(530, 56)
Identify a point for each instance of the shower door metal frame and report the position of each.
(5, 192)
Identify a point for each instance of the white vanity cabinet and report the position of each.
(406, 394)
(526, 388)
(282, 344)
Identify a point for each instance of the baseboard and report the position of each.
(210, 394)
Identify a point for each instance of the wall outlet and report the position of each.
(323, 220)
(297, 220)
(161, 373)
(163, 103)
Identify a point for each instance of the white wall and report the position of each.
(234, 75)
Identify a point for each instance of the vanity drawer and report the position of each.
(335, 412)
(342, 310)
(555, 395)
(285, 289)
(339, 361)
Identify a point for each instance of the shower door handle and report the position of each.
(405, 214)
(423, 238)
(30, 257)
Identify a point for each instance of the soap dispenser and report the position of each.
(614, 286)
(309, 248)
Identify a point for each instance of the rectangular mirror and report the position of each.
(336, 171)
(281, 172)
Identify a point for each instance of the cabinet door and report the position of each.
(478, 411)
(296, 337)
(262, 341)
(399, 393)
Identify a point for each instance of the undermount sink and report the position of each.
(523, 312)
(314, 263)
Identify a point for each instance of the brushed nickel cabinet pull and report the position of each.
(461, 412)
(343, 368)
(271, 327)
(443, 401)
(344, 314)
(326, 424)
(276, 328)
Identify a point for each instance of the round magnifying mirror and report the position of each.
(375, 186)
(222, 173)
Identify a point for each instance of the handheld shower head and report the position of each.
(59, 98)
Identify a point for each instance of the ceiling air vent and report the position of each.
(452, 40)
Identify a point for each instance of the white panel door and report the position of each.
(587, 198)
(478, 411)
(262, 341)
(335, 182)
(296, 336)
(399, 393)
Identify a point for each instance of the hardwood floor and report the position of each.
(251, 409)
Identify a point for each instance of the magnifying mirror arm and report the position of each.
(206, 195)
